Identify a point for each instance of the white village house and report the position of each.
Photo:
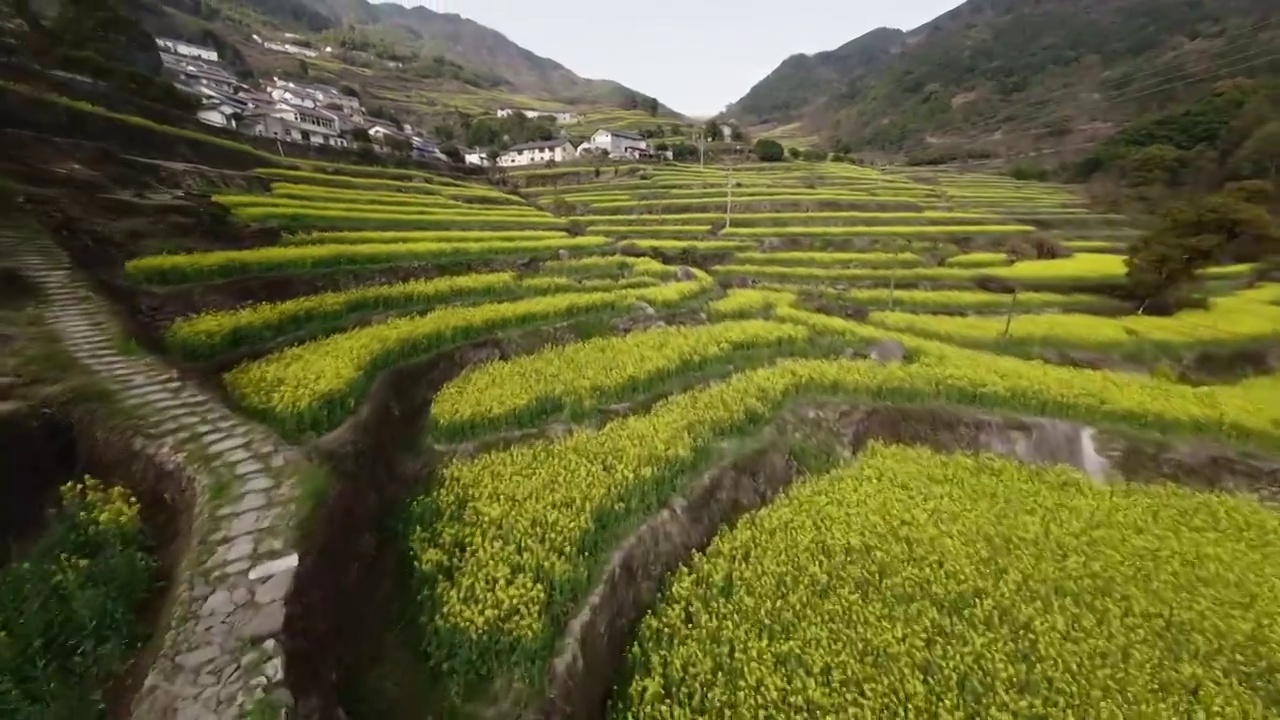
(381, 131)
(561, 117)
(532, 153)
(195, 74)
(290, 48)
(617, 143)
(186, 49)
(295, 123)
(222, 110)
(476, 157)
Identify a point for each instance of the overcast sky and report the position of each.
(695, 56)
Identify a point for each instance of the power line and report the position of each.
(1123, 94)
(1190, 46)
(1114, 98)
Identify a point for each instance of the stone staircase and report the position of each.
(220, 658)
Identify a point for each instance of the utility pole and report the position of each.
(728, 202)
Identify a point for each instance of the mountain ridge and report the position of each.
(988, 69)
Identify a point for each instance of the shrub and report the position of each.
(67, 611)
(769, 150)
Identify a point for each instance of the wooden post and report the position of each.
(1008, 321)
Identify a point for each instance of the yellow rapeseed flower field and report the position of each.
(506, 541)
(314, 386)
(579, 376)
(221, 264)
(209, 334)
(913, 584)
(1249, 315)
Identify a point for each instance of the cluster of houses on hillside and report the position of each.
(287, 111)
(319, 114)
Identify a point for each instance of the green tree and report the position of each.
(711, 131)
(684, 152)
(453, 152)
(1153, 165)
(444, 132)
(484, 132)
(1230, 226)
(398, 145)
(768, 150)
(795, 152)
(1259, 157)
(738, 134)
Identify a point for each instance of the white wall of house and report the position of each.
(379, 134)
(561, 117)
(534, 156)
(477, 158)
(615, 145)
(290, 48)
(292, 126)
(217, 117)
(292, 97)
(178, 47)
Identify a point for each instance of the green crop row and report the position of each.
(761, 194)
(221, 264)
(595, 194)
(619, 266)
(363, 219)
(1081, 268)
(473, 193)
(652, 231)
(240, 203)
(736, 231)
(211, 334)
(1247, 316)
(313, 387)
(747, 204)
(970, 586)
(974, 301)
(779, 219)
(295, 191)
(865, 259)
(375, 172)
(356, 237)
(694, 245)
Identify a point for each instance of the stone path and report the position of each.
(220, 659)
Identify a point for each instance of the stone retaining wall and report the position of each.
(220, 658)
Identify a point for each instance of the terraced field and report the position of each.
(831, 356)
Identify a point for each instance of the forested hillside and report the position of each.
(1012, 75)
